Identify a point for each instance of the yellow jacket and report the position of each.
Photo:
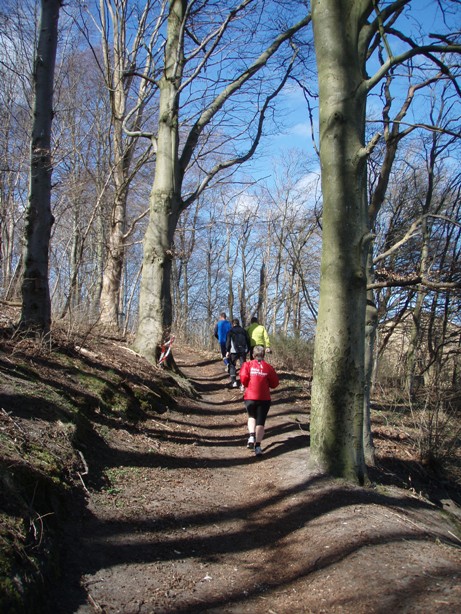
(258, 335)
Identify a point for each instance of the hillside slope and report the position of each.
(145, 499)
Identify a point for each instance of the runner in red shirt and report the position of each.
(258, 377)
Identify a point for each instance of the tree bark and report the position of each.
(155, 305)
(339, 373)
(116, 31)
(112, 273)
(36, 302)
(166, 203)
(371, 326)
(260, 311)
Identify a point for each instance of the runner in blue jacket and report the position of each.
(221, 329)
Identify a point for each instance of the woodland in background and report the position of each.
(245, 245)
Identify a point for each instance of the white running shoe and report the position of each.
(251, 442)
(258, 451)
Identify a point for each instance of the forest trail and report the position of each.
(195, 523)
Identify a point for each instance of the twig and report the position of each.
(84, 463)
(455, 536)
(420, 526)
(161, 424)
(95, 605)
(83, 483)
(40, 519)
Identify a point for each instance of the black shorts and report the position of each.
(258, 410)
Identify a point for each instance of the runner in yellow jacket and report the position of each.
(258, 336)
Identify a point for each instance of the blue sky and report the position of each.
(292, 109)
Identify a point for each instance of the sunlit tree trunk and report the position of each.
(277, 286)
(118, 64)
(297, 307)
(112, 273)
(243, 247)
(115, 65)
(166, 202)
(289, 291)
(262, 294)
(230, 273)
(155, 304)
(209, 283)
(338, 376)
(36, 302)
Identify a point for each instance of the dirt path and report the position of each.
(194, 523)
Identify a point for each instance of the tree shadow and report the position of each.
(204, 535)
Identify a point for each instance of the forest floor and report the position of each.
(193, 522)
(171, 513)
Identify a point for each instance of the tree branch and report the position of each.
(243, 158)
(233, 87)
(426, 50)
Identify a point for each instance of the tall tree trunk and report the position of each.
(155, 305)
(166, 198)
(209, 286)
(114, 59)
(74, 298)
(414, 339)
(116, 32)
(155, 313)
(7, 250)
(230, 274)
(112, 274)
(371, 327)
(297, 306)
(243, 243)
(288, 303)
(415, 333)
(277, 284)
(36, 302)
(261, 293)
(339, 375)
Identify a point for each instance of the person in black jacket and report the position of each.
(237, 348)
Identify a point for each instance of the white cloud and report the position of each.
(301, 129)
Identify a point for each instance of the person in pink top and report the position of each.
(258, 377)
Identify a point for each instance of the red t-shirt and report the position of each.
(258, 378)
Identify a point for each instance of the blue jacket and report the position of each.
(221, 329)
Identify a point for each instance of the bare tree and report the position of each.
(394, 130)
(14, 157)
(36, 303)
(346, 34)
(125, 29)
(167, 200)
(293, 234)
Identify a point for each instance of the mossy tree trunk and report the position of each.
(339, 362)
(166, 201)
(155, 304)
